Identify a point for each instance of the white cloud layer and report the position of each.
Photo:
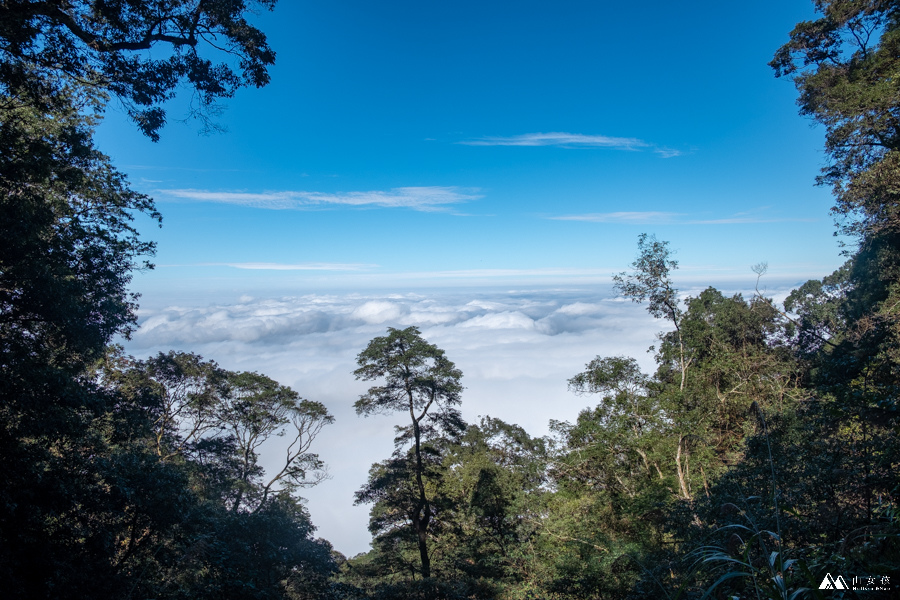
(423, 198)
(266, 321)
(516, 350)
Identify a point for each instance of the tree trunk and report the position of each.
(421, 524)
(423, 510)
(681, 479)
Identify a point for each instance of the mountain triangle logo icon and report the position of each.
(831, 583)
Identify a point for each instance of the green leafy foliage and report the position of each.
(67, 241)
(650, 280)
(101, 48)
(418, 379)
(845, 65)
(495, 482)
(124, 478)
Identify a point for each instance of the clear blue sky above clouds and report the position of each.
(404, 143)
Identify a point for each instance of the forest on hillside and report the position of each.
(759, 460)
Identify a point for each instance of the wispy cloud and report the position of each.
(299, 266)
(494, 274)
(572, 140)
(633, 217)
(423, 198)
(671, 218)
(668, 152)
(269, 266)
(188, 169)
(737, 220)
(567, 140)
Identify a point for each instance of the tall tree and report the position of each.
(418, 379)
(96, 495)
(68, 248)
(68, 245)
(845, 66)
(650, 280)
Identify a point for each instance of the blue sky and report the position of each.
(479, 169)
(408, 137)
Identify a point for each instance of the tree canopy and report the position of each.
(845, 66)
(49, 49)
(125, 478)
(419, 379)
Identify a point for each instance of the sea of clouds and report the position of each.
(516, 349)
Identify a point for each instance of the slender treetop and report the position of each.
(650, 280)
(416, 375)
